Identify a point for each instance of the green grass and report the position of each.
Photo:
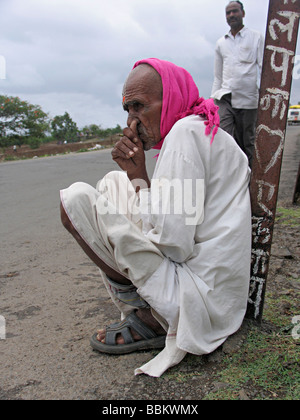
(13, 158)
(266, 367)
(288, 216)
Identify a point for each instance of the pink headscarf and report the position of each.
(181, 98)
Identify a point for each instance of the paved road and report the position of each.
(50, 293)
(30, 191)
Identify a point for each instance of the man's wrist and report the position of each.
(139, 180)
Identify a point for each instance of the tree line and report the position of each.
(24, 123)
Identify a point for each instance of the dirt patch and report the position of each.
(53, 148)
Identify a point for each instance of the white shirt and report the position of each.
(238, 64)
(201, 288)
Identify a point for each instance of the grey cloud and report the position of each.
(74, 55)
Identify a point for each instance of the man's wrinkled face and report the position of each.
(234, 15)
(142, 99)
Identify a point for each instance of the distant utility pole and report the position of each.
(279, 57)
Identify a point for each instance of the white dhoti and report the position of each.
(108, 219)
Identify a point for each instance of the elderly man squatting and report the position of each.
(179, 285)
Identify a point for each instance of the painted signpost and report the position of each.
(279, 55)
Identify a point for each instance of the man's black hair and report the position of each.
(240, 3)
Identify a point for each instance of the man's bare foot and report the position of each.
(146, 316)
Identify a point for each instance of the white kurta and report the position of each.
(200, 282)
(238, 65)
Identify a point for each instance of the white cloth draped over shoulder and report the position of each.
(188, 255)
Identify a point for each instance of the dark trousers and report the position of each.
(239, 123)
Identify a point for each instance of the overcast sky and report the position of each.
(74, 55)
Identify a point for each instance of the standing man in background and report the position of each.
(238, 63)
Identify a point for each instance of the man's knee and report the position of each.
(112, 178)
(76, 194)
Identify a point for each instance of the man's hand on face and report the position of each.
(129, 154)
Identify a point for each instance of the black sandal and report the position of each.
(150, 340)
